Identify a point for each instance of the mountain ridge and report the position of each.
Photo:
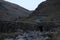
(12, 12)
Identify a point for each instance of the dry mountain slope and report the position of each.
(48, 10)
(12, 12)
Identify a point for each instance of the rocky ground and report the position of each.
(35, 35)
(21, 31)
(31, 35)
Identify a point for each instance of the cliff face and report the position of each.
(12, 12)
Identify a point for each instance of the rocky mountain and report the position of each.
(46, 6)
(48, 10)
(12, 12)
(10, 29)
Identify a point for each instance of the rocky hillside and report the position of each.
(26, 29)
(12, 12)
(48, 10)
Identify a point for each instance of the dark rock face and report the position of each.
(12, 12)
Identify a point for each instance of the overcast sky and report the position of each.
(28, 4)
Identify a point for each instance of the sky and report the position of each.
(28, 4)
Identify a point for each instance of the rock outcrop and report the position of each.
(12, 12)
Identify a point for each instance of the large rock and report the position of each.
(12, 12)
